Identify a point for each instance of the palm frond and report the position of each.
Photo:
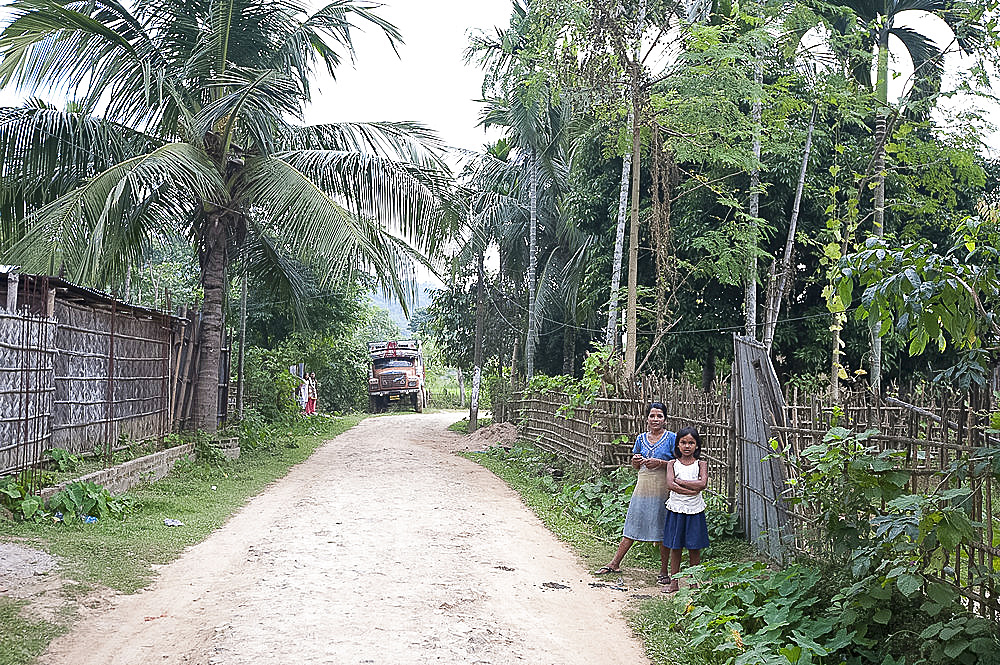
(401, 195)
(96, 229)
(40, 145)
(320, 232)
(97, 53)
(276, 272)
(251, 104)
(409, 141)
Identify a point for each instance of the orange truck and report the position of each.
(396, 375)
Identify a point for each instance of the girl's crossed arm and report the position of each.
(674, 484)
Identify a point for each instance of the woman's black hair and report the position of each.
(686, 431)
(656, 405)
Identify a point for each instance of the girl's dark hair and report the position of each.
(693, 433)
(656, 405)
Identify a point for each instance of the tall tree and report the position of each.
(203, 102)
(864, 33)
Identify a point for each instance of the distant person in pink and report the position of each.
(313, 393)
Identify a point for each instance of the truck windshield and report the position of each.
(383, 363)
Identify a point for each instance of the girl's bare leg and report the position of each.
(675, 566)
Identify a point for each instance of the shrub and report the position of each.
(64, 460)
(83, 499)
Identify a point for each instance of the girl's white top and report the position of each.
(682, 503)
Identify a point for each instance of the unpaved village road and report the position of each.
(384, 547)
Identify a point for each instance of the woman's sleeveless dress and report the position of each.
(646, 509)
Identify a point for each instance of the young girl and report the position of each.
(685, 526)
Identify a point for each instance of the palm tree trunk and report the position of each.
(750, 287)
(779, 283)
(631, 326)
(206, 394)
(477, 353)
(879, 222)
(531, 338)
(243, 346)
(610, 336)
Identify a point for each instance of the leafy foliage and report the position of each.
(601, 501)
(81, 499)
(582, 391)
(931, 296)
(63, 459)
(16, 496)
(338, 355)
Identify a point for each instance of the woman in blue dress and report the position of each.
(647, 510)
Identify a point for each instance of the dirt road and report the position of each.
(384, 547)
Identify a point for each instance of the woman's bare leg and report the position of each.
(623, 548)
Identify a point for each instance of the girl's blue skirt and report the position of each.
(687, 532)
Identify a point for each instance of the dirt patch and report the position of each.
(497, 434)
(384, 547)
(30, 574)
(24, 571)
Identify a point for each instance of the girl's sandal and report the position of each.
(607, 570)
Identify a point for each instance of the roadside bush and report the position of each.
(17, 498)
(82, 499)
(721, 522)
(64, 460)
(601, 501)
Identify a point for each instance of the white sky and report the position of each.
(428, 82)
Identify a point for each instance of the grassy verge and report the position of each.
(22, 640)
(122, 554)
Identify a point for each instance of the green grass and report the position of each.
(121, 554)
(23, 639)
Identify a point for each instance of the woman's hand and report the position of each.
(637, 460)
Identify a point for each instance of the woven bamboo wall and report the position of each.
(79, 369)
(601, 435)
(111, 377)
(934, 430)
(27, 354)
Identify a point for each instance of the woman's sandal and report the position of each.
(663, 580)
(672, 587)
(607, 570)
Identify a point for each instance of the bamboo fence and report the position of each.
(932, 430)
(84, 372)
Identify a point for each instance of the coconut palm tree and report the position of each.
(187, 119)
